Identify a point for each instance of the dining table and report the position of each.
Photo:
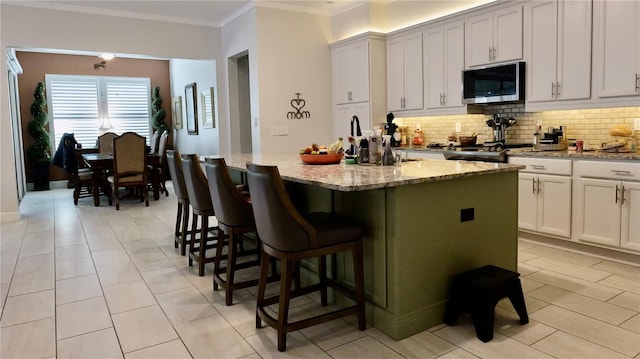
(100, 163)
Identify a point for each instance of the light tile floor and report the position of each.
(92, 282)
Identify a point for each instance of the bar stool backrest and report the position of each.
(196, 183)
(232, 209)
(174, 162)
(279, 224)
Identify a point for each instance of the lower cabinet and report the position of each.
(544, 204)
(607, 212)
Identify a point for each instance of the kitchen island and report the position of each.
(425, 221)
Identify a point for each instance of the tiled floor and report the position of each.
(87, 282)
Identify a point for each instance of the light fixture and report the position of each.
(107, 56)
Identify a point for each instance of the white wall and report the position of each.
(27, 27)
(203, 73)
(294, 56)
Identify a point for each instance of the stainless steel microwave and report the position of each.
(490, 84)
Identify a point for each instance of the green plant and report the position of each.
(157, 112)
(40, 149)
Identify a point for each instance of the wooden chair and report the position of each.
(161, 151)
(105, 142)
(174, 163)
(129, 165)
(290, 237)
(235, 220)
(200, 200)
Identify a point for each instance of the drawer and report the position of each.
(608, 170)
(543, 165)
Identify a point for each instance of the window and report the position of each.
(89, 106)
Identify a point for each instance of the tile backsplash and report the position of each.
(590, 125)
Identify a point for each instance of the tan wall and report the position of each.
(36, 65)
(590, 125)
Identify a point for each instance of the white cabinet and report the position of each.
(558, 50)
(607, 211)
(404, 72)
(616, 49)
(544, 196)
(493, 37)
(351, 72)
(444, 62)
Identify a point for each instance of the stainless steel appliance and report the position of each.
(487, 152)
(491, 84)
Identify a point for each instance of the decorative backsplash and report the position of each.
(590, 125)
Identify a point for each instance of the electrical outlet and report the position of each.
(275, 131)
(636, 124)
(284, 131)
(458, 127)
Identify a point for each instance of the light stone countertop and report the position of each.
(343, 177)
(587, 155)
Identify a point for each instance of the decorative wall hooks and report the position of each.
(297, 104)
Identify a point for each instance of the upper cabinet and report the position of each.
(443, 63)
(616, 49)
(351, 72)
(557, 50)
(493, 37)
(404, 72)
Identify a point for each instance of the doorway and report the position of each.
(240, 104)
(16, 128)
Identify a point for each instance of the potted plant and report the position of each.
(157, 112)
(39, 152)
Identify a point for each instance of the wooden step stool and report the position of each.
(478, 291)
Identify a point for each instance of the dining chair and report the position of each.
(105, 142)
(202, 208)
(153, 143)
(235, 220)
(174, 163)
(129, 165)
(291, 237)
(161, 169)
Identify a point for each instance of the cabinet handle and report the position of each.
(538, 180)
(622, 199)
(349, 96)
(490, 58)
(621, 172)
(533, 185)
(557, 89)
(637, 82)
(553, 90)
(444, 99)
(494, 53)
(617, 193)
(538, 167)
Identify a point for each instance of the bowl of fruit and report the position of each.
(322, 155)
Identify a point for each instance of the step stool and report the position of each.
(478, 291)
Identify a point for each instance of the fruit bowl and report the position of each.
(467, 140)
(327, 159)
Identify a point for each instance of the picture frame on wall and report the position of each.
(191, 107)
(176, 110)
(208, 108)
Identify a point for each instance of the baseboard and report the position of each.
(9, 217)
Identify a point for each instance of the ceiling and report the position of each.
(197, 12)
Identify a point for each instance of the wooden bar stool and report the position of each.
(200, 200)
(290, 237)
(235, 219)
(478, 291)
(174, 162)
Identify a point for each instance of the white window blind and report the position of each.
(88, 106)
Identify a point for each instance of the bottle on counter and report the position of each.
(387, 155)
(418, 137)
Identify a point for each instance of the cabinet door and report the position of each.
(507, 34)
(630, 236)
(341, 63)
(527, 202)
(453, 64)
(478, 39)
(616, 48)
(597, 211)
(434, 66)
(359, 71)
(413, 91)
(574, 50)
(541, 47)
(344, 114)
(395, 74)
(554, 205)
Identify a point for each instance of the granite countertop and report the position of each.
(593, 155)
(343, 177)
